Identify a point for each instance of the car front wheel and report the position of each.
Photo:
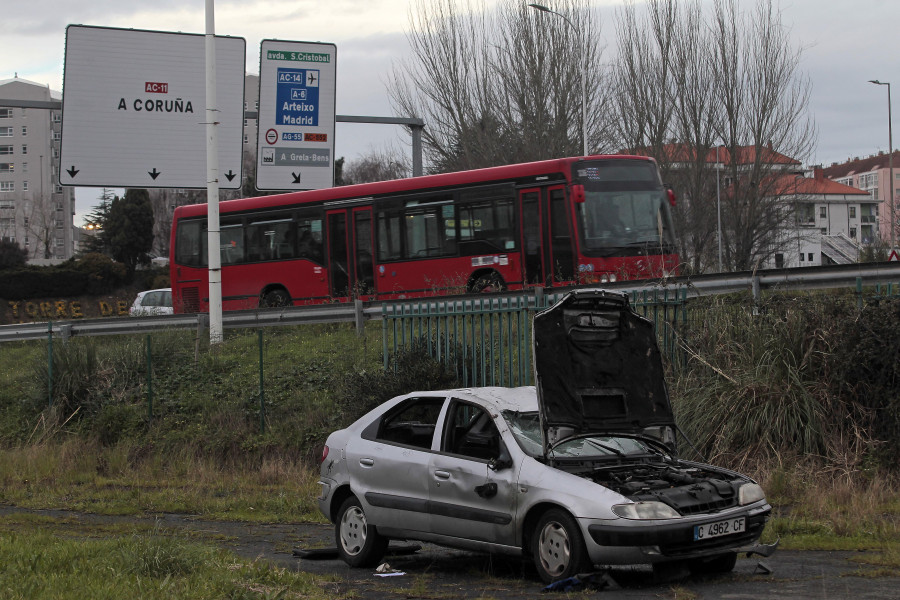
(358, 542)
(557, 546)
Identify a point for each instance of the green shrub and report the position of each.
(91, 274)
(411, 369)
(809, 376)
(867, 374)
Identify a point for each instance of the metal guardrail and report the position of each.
(295, 315)
(841, 276)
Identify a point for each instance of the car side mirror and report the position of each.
(503, 461)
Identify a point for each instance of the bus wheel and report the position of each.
(490, 282)
(275, 298)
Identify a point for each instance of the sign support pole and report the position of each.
(212, 182)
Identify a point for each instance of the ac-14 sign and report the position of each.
(295, 145)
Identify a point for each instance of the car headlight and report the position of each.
(750, 493)
(645, 510)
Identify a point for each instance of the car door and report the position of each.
(389, 464)
(467, 497)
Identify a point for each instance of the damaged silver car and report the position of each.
(580, 470)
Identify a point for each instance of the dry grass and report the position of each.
(828, 510)
(81, 475)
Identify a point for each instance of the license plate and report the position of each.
(719, 528)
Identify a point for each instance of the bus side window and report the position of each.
(389, 237)
(487, 226)
(190, 244)
(309, 240)
(231, 242)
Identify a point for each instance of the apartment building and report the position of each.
(872, 175)
(36, 212)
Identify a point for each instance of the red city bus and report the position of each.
(556, 222)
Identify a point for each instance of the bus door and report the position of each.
(546, 235)
(363, 253)
(350, 264)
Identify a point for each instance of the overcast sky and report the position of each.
(844, 45)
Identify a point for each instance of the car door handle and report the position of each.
(367, 462)
(442, 474)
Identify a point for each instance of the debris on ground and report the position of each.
(762, 568)
(331, 553)
(386, 570)
(595, 581)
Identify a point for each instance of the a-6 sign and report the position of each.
(295, 144)
(298, 97)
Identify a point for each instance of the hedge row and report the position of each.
(92, 274)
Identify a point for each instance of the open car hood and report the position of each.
(597, 368)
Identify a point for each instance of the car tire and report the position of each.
(276, 298)
(723, 563)
(557, 546)
(359, 543)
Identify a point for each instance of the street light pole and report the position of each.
(719, 207)
(578, 35)
(890, 194)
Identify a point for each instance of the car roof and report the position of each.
(518, 399)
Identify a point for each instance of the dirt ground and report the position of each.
(435, 572)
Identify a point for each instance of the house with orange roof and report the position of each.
(825, 221)
(818, 221)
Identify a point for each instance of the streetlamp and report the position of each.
(719, 206)
(544, 9)
(890, 195)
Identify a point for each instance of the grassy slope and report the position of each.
(203, 451)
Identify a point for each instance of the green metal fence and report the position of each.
(488, 340)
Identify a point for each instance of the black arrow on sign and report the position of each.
(72, 172)
(154, 173)
(296, 177)
(230, 174)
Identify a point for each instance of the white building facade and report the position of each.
(825, 222)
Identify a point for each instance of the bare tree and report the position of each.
(502, 86)
(41, 220)
(688, 81)
(377, 165)
(763, 99)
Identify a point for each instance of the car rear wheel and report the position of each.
(557, 546)
(358, 542)
(723, 563)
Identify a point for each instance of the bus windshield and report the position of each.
(625, 208)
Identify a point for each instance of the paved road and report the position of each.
(435, 572)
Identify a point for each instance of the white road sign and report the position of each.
(134, 109)
(295, 139)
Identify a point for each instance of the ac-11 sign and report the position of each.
(134, 109)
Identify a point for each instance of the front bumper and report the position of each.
(676, 539)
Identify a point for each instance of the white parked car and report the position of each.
(580, 470)
(152, 302)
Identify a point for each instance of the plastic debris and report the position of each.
(762, 568)
(386, 570)
(596, 581)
